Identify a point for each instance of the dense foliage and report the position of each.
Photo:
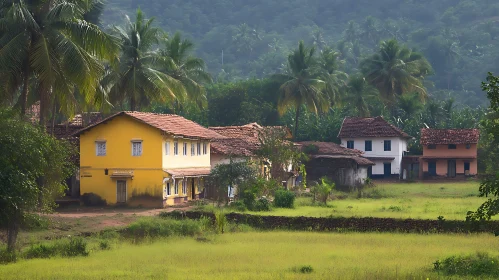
(241, 40)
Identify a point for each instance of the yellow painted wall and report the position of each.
(172, 161)
(118, 134)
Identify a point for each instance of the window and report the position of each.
(432, 147)
(168, 189)
(176, 187)
(100, 148)
(184, 187)
(167, 148)
(369, 146)
(193, 149)
(175, 148)
(350, 144)
(184, 151)
(468, 146)
(136, 148)
(199, 148)
(452, 146)
(205, 148)
(388, 145)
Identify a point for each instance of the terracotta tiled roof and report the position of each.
(33, 112)
(189, 172)
(359, 160)
(85, 119)
(232, 146)
(329, 148)
(241, 140)
(449, 136)
(170, 124)
(354, 127)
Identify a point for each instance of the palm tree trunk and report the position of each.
(24, 93)
(297, 116)
(43, 106)
(132, 103)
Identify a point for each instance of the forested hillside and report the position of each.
(253, 38)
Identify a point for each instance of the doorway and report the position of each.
(387, 169)
(121, 192)
(370, 172)
(466, 168)
(432, 168)
(451, 168)
(193, 189)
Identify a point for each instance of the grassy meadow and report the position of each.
(407, 200)
(263, 255)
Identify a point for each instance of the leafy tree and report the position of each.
(395, 70)
(359, 95)
(334, 79)
(302, 86)
(33, 167)
(189, 70)
(489, 187)
(51, 48)
(137, 78)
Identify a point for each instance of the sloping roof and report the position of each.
(330, 148)
(232, 146)
(85, 119)
(192, 172)
(359, 160)
(241, 140)
(354, 127)
(170, 124)
(449, 136)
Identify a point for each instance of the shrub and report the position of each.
(6, 256)
(42, 251)
(162, 227)
(92, 199)
(220, 222)
(109, 234)
(104, 245)
(33, 221)
(238, 206)
(480, 264)
(305, 269)
(323, 190)
(284, 199)
(248, 198)
(77, 246)
(262, 204)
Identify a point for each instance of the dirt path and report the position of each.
(107, 212)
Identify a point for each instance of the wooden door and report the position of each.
(451, 168)
(387, 169)
(193, 189)
(121, 191)
(432, 168)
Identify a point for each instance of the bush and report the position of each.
(262, 204)
(480, 264)
(220, 222)
(33, 221)
(72, 247)
(305, 269)
(284, 199)
(238, 206)
(6, 256)
(162, 227)
(104, 245)
(92, 199)
(248, 197)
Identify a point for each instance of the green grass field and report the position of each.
(415, 200)
(264, 255)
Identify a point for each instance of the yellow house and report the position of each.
(144, 159)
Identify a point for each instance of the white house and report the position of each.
(382, 143)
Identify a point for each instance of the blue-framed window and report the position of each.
(388, 145)
(369, 146)
(350, 144)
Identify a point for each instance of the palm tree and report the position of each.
(189, 70)
(335, 80)
(410, 104)
(137, 78)
(53, 50)
(302, 85)
(395, 70)
(359, 94)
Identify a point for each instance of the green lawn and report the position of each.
(264, 255)
(415, 200)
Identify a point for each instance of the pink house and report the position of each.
(449, 152)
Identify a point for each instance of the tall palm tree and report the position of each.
(335, 80)
(302, 85)
(187, 69)
(359, 94)
(395, 70)
(50, 46)
(137, 79)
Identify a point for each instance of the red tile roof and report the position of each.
(449, 136)
(170, 124)
(330, 148)
(241, 140)
(354, 127)
(85, 119)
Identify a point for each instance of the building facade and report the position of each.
(144, 159)
(380, 141)
(449, 152)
